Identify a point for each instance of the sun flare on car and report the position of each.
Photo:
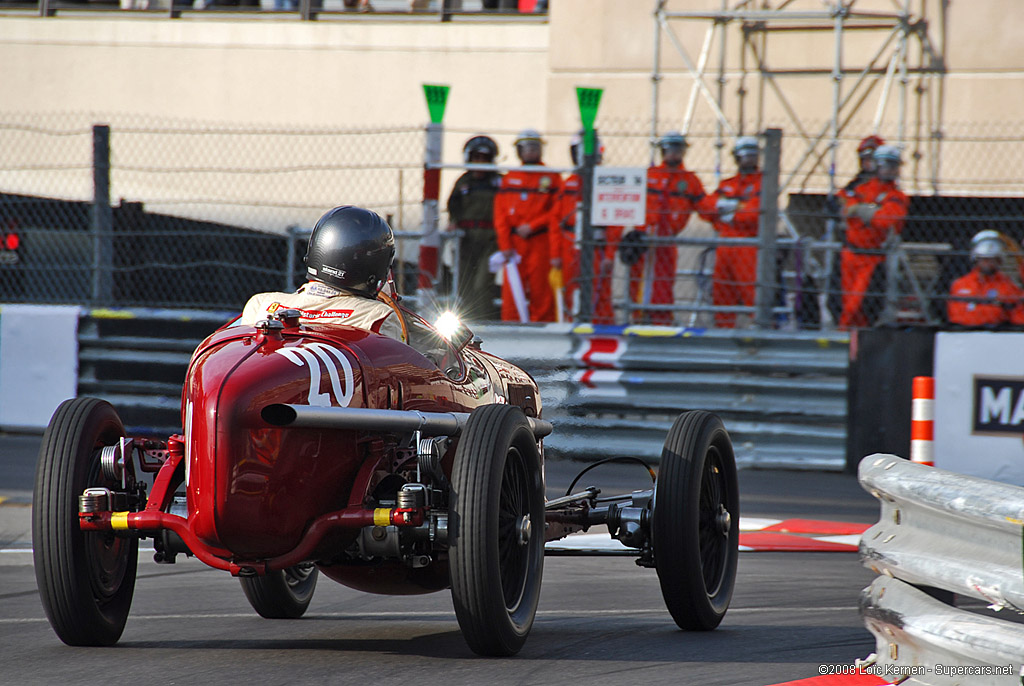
(447, 324)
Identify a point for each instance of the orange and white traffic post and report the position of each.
(922, 421)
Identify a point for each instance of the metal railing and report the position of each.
(307, 10)
(948, 534)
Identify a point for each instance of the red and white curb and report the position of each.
(756, 535)
(795, 535)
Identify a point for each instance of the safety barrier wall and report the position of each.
(609, 390)
(38, 363)
(953, 534)
(782, 395)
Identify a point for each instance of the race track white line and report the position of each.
(445, 614)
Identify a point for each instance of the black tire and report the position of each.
(695, 527)
(86, 579)
(284, 594)
(497, 486)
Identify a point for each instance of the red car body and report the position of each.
(254, 490)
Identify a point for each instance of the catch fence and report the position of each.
(203, 215)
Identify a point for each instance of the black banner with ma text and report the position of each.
(998, 405)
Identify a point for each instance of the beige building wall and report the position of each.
(506, 75)
(278, 73)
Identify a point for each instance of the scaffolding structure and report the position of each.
(905, 52)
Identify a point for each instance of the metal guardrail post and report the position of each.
(289, 267)
(767, 264)
(890, 312)
(102, 219)
(456, 237)
(586, 308)
(430, 244)
(307, 11)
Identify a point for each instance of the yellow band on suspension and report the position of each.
(382, 516)
(119, 521)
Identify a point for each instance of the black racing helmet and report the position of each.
(351, 248)
(483, 145)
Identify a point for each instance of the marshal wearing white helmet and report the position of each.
(985, 296)
(875, 212)
(529, 146)
(888, 159)
(734, 210)
(523, 209)
(673, 192)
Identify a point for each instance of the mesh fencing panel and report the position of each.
(203, 215)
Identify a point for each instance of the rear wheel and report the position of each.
(496, 529)
(86, 579)
(695, 527)
(284, 594)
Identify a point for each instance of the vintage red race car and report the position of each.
(389, 467)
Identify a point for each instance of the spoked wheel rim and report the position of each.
(86, 580)
(282, 594)
(297, 576)
(715, 522)
(107, 558)
(496, 530)
(694, 532)
(106, 555)
(514, 530)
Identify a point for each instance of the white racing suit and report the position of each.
(323, 304)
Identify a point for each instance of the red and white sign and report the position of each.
(619, 196)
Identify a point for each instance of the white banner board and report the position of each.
(979, 404)
(38, 363)
(619, 196)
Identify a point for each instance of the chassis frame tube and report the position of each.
(398, 421)
(352, 518)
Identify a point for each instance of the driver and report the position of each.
(347, 262)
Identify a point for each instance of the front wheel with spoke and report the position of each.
(496, 530)
(86, 580)
(695, 522)
(284, 594)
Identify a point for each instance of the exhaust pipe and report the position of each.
(364, 419)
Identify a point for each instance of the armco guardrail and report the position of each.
(926, 642)
(137, 360)
(782, 394)
(955, 533)
(609, 390)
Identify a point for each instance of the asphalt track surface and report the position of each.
(600, 620)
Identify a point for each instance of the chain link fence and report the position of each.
(968, 184)
(200, 215)
(203, 215)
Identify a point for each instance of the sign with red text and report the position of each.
(619, 197)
